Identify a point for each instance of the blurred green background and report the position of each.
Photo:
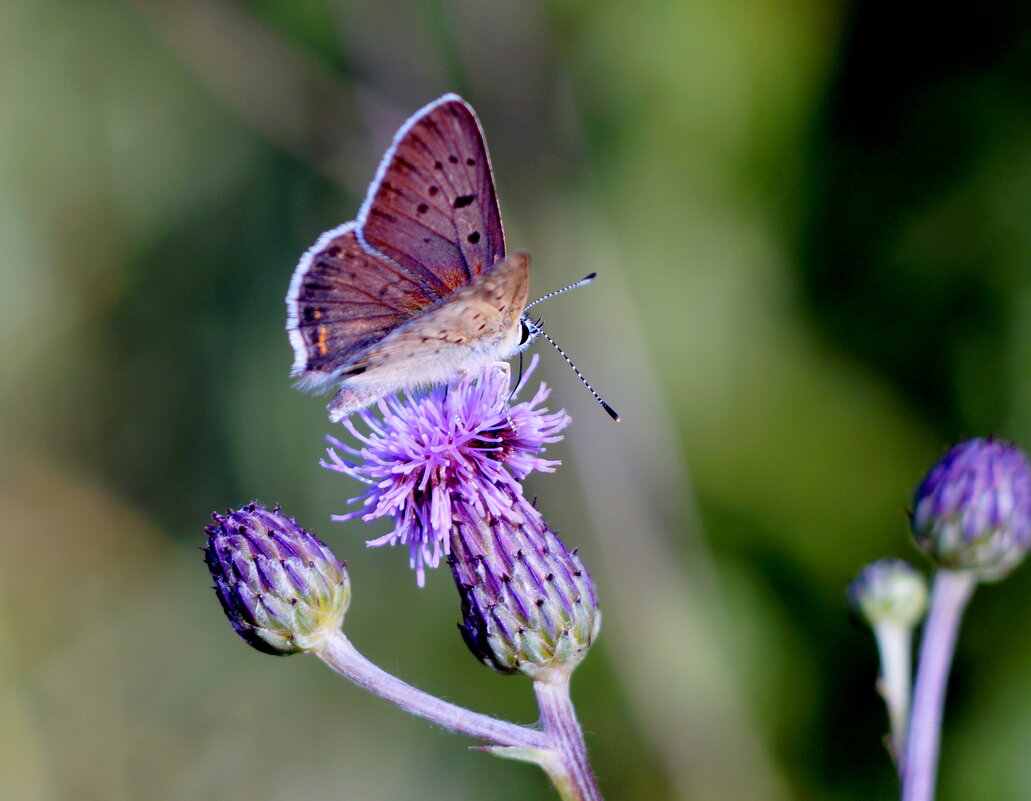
(811, 225)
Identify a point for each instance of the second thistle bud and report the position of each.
(529, 605)
(282, 589)
(973, 509)
(889, 591)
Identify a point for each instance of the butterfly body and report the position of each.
(477, 324)
(418, 288)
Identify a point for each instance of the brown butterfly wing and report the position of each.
(475, 325)
(432, 208)
(341, 301)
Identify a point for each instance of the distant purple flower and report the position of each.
(973, 510)
(461, 443)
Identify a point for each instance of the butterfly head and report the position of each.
(529, 330)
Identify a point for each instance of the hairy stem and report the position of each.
(572, 774)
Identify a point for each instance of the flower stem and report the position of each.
(338, 652)
(894, 643)
(572, 775)
(949, 596)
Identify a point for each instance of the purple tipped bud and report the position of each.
(282, 589)
(889, 591)
(529, 605)
(973, 510)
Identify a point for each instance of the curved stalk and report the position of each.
(338, 652)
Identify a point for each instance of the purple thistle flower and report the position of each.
(973, 509)
(461, 444)
(281, 587)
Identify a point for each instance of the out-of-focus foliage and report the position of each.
(811, 225)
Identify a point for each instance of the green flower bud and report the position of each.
(889, 591)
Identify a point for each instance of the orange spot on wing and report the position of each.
(321, 343)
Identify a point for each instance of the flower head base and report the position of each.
(282, 589)
(528, 603)
(973, 509)
(889, 591)
(458, 444)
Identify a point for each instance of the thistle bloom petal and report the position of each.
(973, 509)
(458, 444)
(282, 588)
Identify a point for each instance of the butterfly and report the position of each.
(418, 288)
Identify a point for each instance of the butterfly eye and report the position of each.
(526, 334)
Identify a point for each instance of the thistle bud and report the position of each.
(528, 604)
(282, 589)
(891, 596)
(973, 510)
(889, 591)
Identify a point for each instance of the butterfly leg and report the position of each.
(351, 399)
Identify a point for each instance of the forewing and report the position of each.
(341, 301)
(432, 207)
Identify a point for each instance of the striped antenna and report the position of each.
(537, 328)
(582, 282)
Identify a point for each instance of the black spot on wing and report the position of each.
(464, 200)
